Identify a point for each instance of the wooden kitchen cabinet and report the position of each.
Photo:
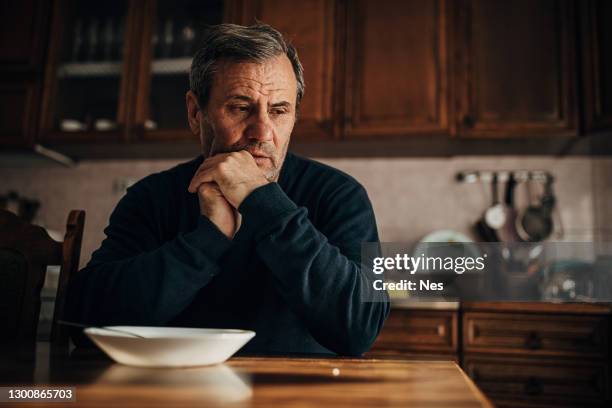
(397, 62)
(527, 382)
(22, 53)
(419, 332)
(382, 77)
(19, 112)
(23, 34)
(310, 26)
(515, 68)
(145, 87)
(117, 72)
(171, 31)
(519, 354)
(596, 34)
(538, 354)
(88, 79)
(536, 335)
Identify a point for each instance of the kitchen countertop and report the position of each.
(540, 307)
(424, 304)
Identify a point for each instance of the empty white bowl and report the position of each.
(169, 346)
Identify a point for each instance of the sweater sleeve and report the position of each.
(319, 275)
(135, 277)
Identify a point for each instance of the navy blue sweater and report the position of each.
(292, 272)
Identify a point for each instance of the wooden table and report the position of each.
(248, 382)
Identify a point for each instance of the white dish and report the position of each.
(445, 236)
(104, 124)
(458, 245)
(169, 346)
(72, 125)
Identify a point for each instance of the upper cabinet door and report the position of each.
(515, 73)
(87, 75)
(597, 63)
(170, 36)
(309, 26)
(23, 34)
(396, 65)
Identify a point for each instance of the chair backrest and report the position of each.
(25, 252)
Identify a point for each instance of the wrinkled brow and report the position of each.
(247, 98)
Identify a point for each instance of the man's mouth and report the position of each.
(257, 154)
(260, 158)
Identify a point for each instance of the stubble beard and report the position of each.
(209, 149)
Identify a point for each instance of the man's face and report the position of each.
(251, 107)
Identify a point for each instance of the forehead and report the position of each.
(274, 78)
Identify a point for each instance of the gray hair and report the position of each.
(231, 42)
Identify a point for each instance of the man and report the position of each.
(248, 235)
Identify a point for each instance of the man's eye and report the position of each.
(278, 111)
(240, 108)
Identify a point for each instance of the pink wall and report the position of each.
(411, 197)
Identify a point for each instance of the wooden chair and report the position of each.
(25, 252)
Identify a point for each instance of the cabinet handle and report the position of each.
(533, 341)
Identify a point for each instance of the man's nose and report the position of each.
(260, 128)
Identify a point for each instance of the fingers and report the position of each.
(201, 177)
(209, 189)
(204, 174)
(211, 168)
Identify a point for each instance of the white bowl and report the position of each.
(169, 346)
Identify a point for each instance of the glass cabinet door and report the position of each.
(177, 31)
(89, 55)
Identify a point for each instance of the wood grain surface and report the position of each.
(249, 382)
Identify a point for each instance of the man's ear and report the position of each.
(194, 114)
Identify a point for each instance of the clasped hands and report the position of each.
(222, 182)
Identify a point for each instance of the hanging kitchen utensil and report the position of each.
(522, 259)
(535, 223)
(492, 218)
(559, 231)
(495, 216)
(507, 232)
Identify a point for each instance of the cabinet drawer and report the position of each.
(418, 330)
(521, 381)
(537, 334)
